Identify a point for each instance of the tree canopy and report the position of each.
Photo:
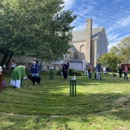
(117, 54)
(37, 28)
(110, 60)
(122, 50)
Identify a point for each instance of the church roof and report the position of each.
(81, 34)
(73, 48)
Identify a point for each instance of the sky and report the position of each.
(114, 15)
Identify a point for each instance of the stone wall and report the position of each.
(81, 50)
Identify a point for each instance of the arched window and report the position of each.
(81, 48)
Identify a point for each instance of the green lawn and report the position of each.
(99, 105)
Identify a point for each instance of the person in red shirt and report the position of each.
(125, 72)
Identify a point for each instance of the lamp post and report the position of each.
(72, 87)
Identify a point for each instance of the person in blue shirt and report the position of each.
(98, 70)
(35, 68)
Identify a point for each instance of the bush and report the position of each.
(58, 72)
(71, 71)
(77, 74)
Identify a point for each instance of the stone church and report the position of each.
(87, 46)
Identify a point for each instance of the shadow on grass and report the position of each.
(52, 99)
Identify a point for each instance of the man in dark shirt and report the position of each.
(120, 71)
(65, 70)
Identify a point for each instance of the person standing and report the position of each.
(104, 69)
(125, 72)
(65, 69)
(4, 68)
(35, 69)
(86, 69)
(90, 71)
(98, 69)
(120, 71)
(68, 67)
(17, 75)
(13, 64)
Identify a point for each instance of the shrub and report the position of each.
(77, 74)
(58, 72)
(71, 71)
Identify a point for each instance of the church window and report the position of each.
(81, 48)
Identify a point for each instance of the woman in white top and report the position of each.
(13, 65)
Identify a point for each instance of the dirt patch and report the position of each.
(120, 100)
(117, 91)
(123, 128)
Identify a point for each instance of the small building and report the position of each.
(77, 64)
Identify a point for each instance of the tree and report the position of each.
(122, 50)
(37, 28)
(110, 60)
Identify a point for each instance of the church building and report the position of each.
(87, 46)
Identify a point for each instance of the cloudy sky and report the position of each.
(114, 15)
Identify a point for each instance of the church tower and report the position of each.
(88, 54)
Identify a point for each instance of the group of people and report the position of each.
(121, 71)
(89, 69)
(19, 73)
(98, 69)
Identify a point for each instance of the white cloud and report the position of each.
(80, 26)
(119, 23)
(116, 41)
(68, 3)
(117, 1)
(83, 12)
(95, 25)
(112, 37)
(121, 6)
(84, 9)
(91, 2)
(88, 1)
(112, 44)
(124, 22)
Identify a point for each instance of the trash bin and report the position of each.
(72, 87)
(51, 73)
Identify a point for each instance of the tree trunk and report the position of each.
(5, 58)
(8, 61)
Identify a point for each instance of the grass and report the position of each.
(99, 105)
